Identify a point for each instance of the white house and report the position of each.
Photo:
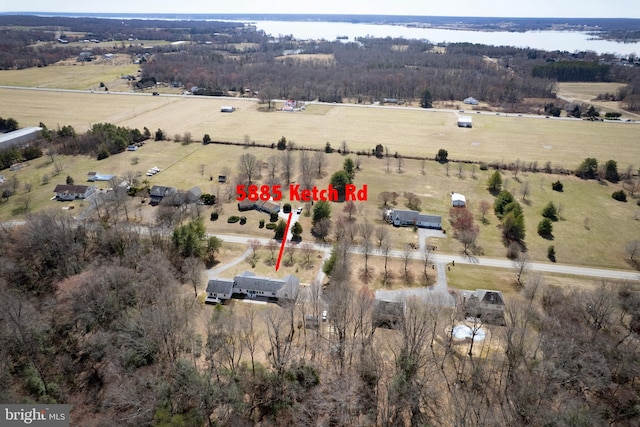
(471, 101)
(71, 192)
(227, 109)
(464, 122)
(458, 200)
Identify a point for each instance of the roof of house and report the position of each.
(161, 191)
(485, 296)
(220, 286)
(470, 100)
(71, 189)
(429, 218)
(405, 215)
(465, 119)
(248, 280)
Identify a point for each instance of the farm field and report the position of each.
(409, 132)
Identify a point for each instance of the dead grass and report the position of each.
(406, 131)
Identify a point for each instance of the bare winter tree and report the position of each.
(406, 257)
(320, 161)
(192, 271)
(248, 168)
(484, 208)
(287, 165)
(381, 233)
(521, 265)
(385, 247)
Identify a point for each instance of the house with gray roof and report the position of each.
(249, 286)
(408, 218)
(159, 192)
(484, 304)
(219, 290)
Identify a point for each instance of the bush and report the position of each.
(261, 224)
(243, 220)
(620, 196)
(557, 186)
(233, 219)
(484, 167)
(442, 155)
(214, 216)
(551, 253)
(545, 227)
(550, 211)
(273, 217)
(286, 208)
(270, 226)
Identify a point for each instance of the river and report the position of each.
(570, 41)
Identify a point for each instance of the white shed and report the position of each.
(458, 200)
(464, 121)
(227, 109)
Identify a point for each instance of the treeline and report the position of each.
(573, 71)
(98, 316)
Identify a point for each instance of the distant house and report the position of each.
(407, 218)
(465, 122)
(222, 178)
(487, 305)
(86, 57)
(72, 192)
(159, 192)
(458, 200)
(471, 101)
(249, 286)
(227, 109)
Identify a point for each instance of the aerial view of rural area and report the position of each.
(319, 214)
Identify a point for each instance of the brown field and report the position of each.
(414, 132)
(587, 92)
(316, 58)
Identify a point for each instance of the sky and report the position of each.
(486, 8)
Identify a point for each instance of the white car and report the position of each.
(299, 211)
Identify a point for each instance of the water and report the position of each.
(570, 41)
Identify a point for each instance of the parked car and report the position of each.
(156, 94)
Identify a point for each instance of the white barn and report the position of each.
(20, 136)
(458, 200)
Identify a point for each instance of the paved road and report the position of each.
(443, 259)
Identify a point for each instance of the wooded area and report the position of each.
(100, 318)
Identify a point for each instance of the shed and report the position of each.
(458, 200)
(227, 109)
(464, 122)
(471, 101)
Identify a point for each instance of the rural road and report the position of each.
(444, 259)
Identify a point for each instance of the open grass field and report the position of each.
(414, 132)
(587, 93)
(74, 75)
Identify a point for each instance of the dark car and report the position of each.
(156, 94)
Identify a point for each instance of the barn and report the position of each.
(227, 109)
(20, 136)
(458, 200)
(464, 122)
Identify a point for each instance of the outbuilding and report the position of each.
(464, 122)
(458, 200)
(227, 109)
(18, 137)
(471, 101)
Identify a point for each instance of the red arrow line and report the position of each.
(284, 241)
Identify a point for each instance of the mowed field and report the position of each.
(406, 131)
